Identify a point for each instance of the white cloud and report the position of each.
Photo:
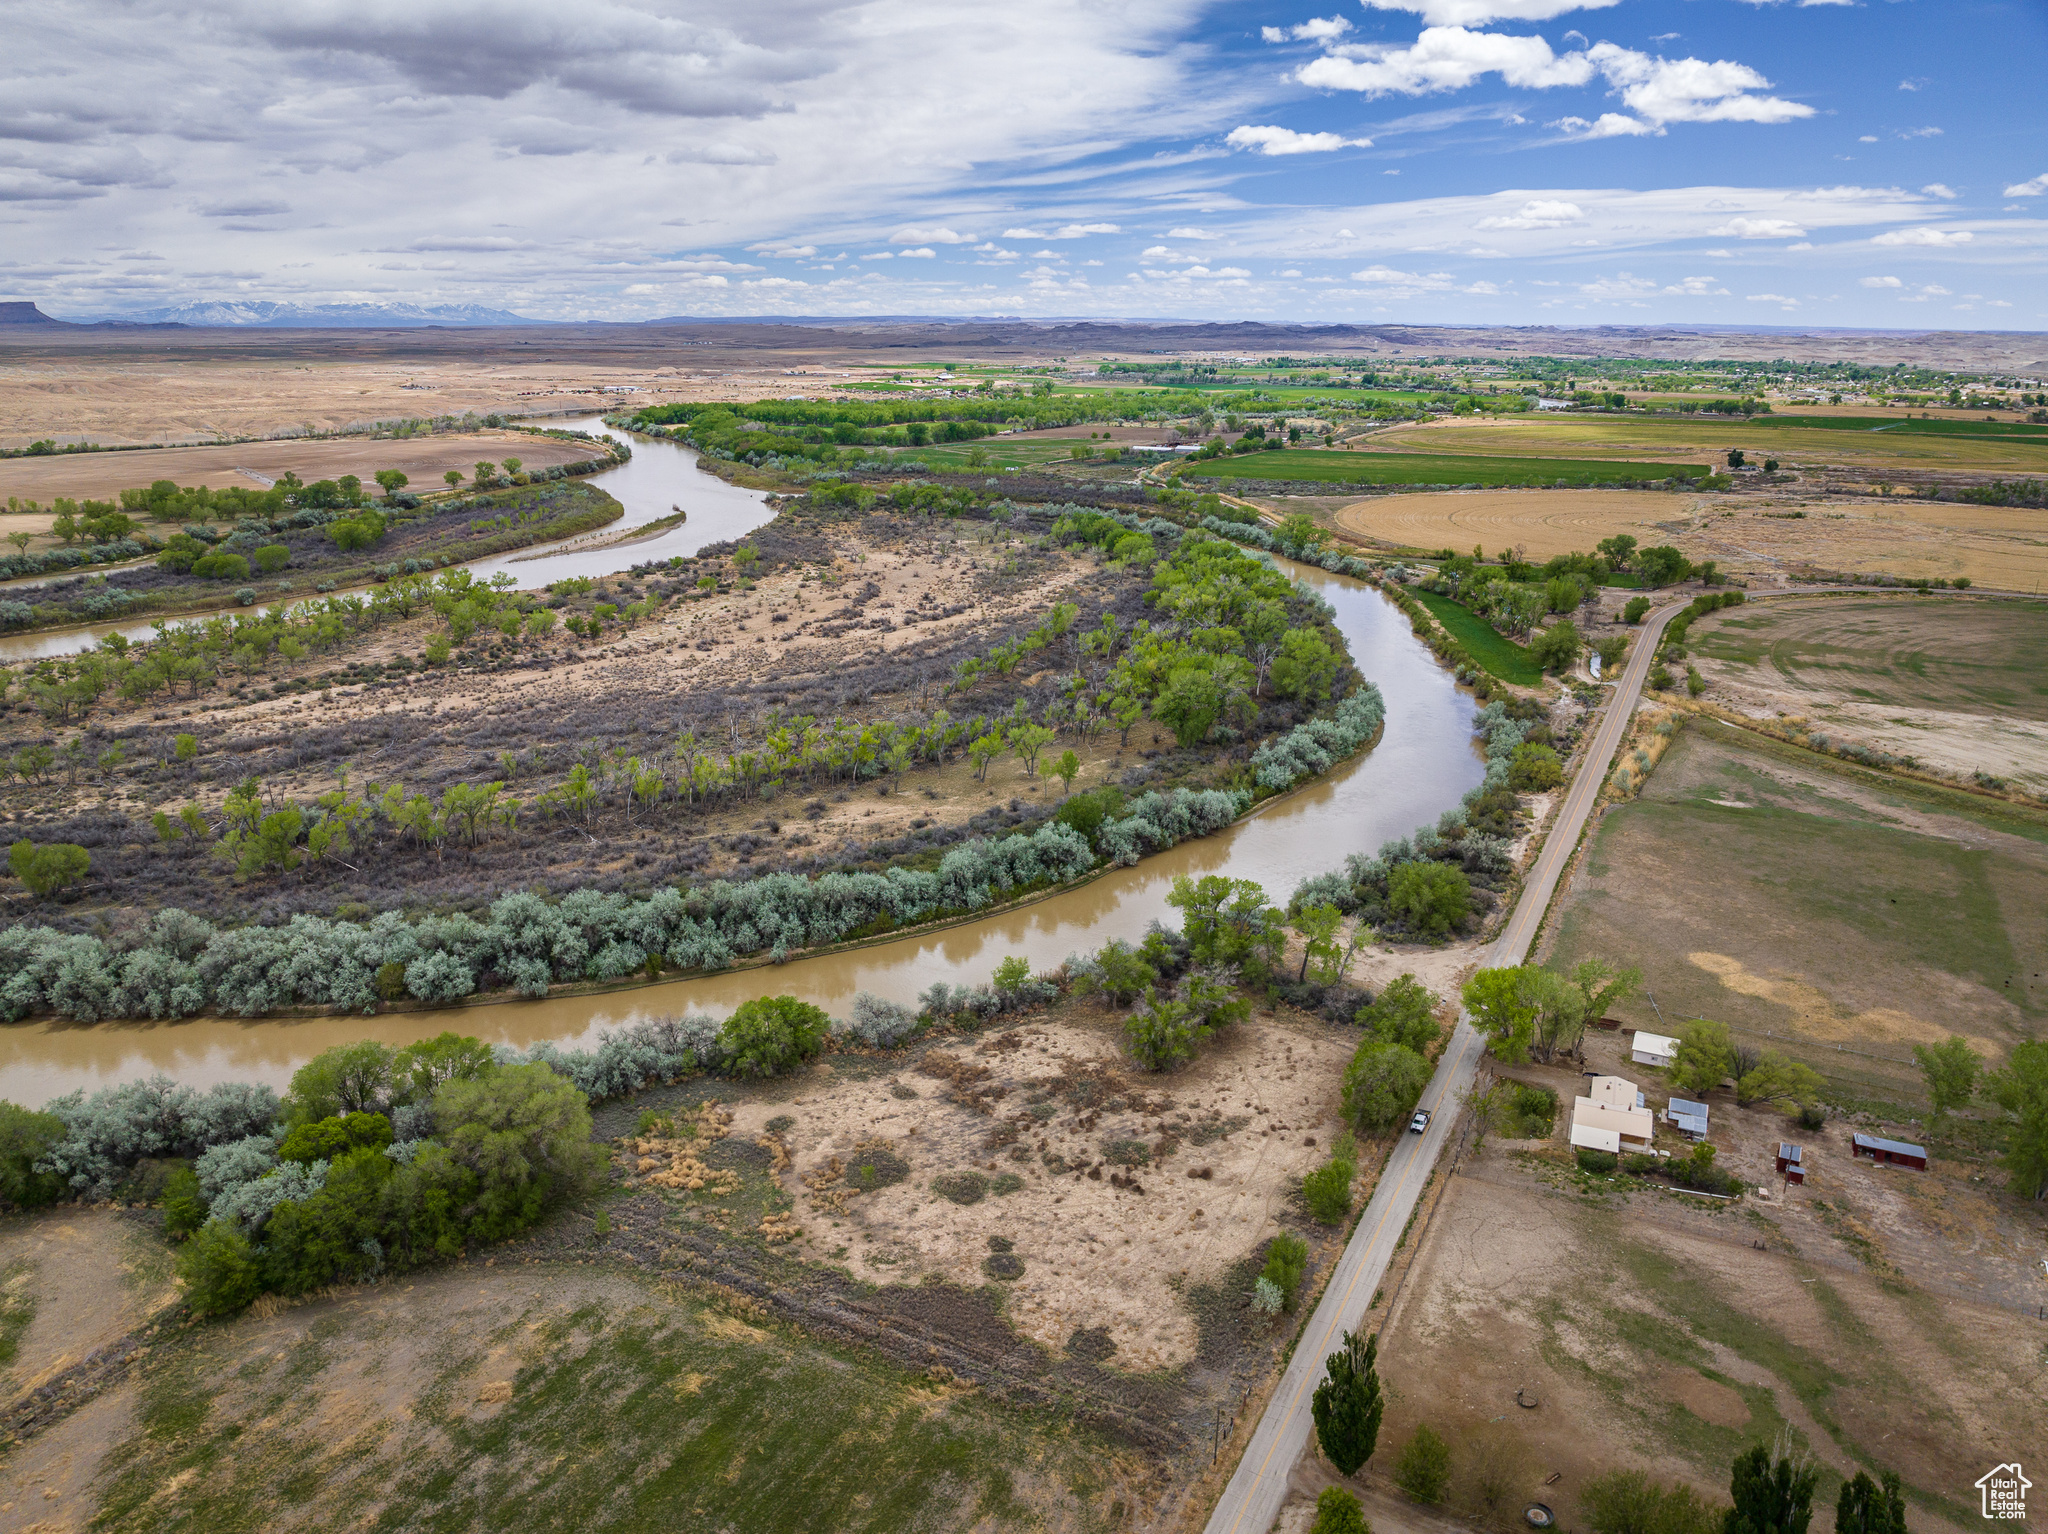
(1473, 12)
(1923, 235)
(1773, 298)
(1937, 189)
(1936, 290)
(1023, 234)
(1757, 229)
(1275, 141)
(880, 255)
(1481, 290)
(1880, 282)
(1317, 29)
(1658, 91)
(1867, 138)
(1718, 255)
(923, 252)
(1189, 234)
(1625, 286)
(1538, 213)
(785, 252)
(1696, 287)
(2033, 188)
(915, 236)
(1073, 232)
(1606, 125)
(775, 282)
(1920, 133)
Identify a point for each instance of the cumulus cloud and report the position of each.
(1757, 229)
(1696, 287)
(783, 251)
(922, 253)
(1276, 141)
(1937, 189)
(1317, 29)
(1189, 234)
(1538, 213)
(1072, 232)
(1772, 298)
(915, 236)
(1880, 282)
(2033, 188)
(1921, 234)
(1477, 12)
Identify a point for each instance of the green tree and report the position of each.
(1190, 705)
(1318, 925)
(1617, 551)
(1431, 897)
(1534, 768)
(1871, 1507)
(1951, 1070)
(25, 1138)
(1305, 666)
(1011, 974)
(390, 481)
(1778, 1079)
(1404, 1013)
(220, 1269)
(1300, 530)
(1286, 1262)
(2021, 1090)
(1338, 1512)
(453, 477)
(1557, 646)
(983, 750)
(1348, 1404)
(348, 1078)
(1634, 608)
(329, 1139)
(1226, 921)
(1382, 1084)
(184, 1208)
(772, 1034)
(1503, 1011)
(1769, 1498)
(50, 867)
(524, 1133)
(1028, 740)
(1663, 565)
(1704, 1057)
(1163, 1033)
(1630, 1502)
(1424, 1468)
(1327, 1190)
(1066, 769)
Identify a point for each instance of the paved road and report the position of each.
(1257, 1489)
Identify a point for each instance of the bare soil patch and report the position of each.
(91, 1277)
(423, 459)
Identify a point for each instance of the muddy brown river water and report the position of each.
(1425, 761)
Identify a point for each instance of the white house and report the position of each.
(1612, 1107)
(1653, 1049)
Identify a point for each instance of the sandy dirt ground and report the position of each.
(93, 1278)
(1226, 1143)
(102, 476)
(1757, 538)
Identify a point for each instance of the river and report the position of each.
(1424, 763)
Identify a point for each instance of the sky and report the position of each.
(1839, 163)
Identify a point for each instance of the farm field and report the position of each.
(103, 476)
(1828, 910)
(1760, 538)
(1958, 685)
(1712, 436)
(1424, 468)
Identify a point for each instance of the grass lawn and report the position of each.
(1492, 649)
(1340, 467)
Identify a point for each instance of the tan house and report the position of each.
(1611, 1116)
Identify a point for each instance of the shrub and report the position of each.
(390, 980)
(184, 1208)
(50, 867)
(1557, 646)
(1286, 1261)
(879, 1023)
(1338, 1512)
(220, 1269)
(221, 567)
(25, 1138)
(1382, 1084)
(1404, 1013)
(1597, 1160)
(1629, 1502)
(1534, 768)
(1431, 897)
(1424, 1468)
(771, 1035)
(1011, 974)
(523, 1134)
(1632, 611)
(961, 1187)
(1267, 1299)
(1327, 1191)
(1163, 1034)
(347, 1079)
(272, 558)
(331, 1138)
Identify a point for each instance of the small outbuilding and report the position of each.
(1653, 1049)
(1889, 1152)
(1791, 1163)
(1689, 1117)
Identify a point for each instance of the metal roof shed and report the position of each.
(1791, 1162)
(1889, 1152)
(1689, 1116)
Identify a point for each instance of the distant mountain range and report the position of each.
(275, 316)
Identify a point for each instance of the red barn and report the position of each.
(1889, 1152)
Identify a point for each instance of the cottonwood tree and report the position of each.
(1951, 1070)
(2021, 1090)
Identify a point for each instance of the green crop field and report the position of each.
(994, 453)
(1908, 426)
(1336, 467)
(1492, 649)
